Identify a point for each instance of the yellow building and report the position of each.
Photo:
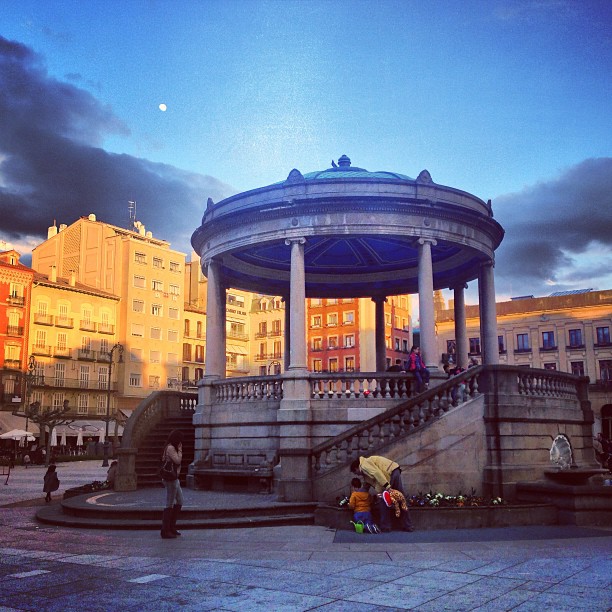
(566, 331)
(147, 276)
(72, 330)
(267, 335)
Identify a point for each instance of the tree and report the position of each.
(46, 419)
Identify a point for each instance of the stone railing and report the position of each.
(248, 389)
(350, 385)
(151, 411)
(545, 383)
(366, 437)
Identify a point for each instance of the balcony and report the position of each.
(16, 300)
(575, 347)
(72, 383)
(87, 355)
(522, 350)
(275, 333)
(66, 322)
(86, 325)
(43, 319)
(604, 344)
(544, 349)
(237, 335)
(12, 364)
(62, 352)
(14, 330)
(261, 335)
(41, 350)
(106, 328)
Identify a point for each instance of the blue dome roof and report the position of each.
(343, 169)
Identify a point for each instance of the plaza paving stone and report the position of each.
(47, 568)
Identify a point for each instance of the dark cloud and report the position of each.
(52, 165)
(552, 225)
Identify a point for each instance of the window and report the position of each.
(84, 377)
(157, 285)
(60, 374)
(405, 346)
(102, 378)
(173, 313)
(348, 318)
(277, 351)
(140, 258)
(16, 290)
(155, 356)
(397, 344)
(317, 344)
(316, 302)
(157, 310)
(173, 335)
(83, 403)
(332, 319)
(575, 338)
(104, 346)
(522, 343)
(158, 263)
(175, 266)
(347, 300)
(101, 404)
(349, 340)
(174, 290)
(333, 364)
(135, 380)
(199, 329)
(550, 366)
(58, 400)
(548, 340)
(186, 351)
(85, 345)
(263, 349)
(276, 327)
(262, 370)
(317, 365)
(138, 330)
(186, 327)
(332, 342)
(397, 322)
(474, 346)
(577, 368)
(42, 309)
(332, 301)
(61, 341)
(603, 336)
(136, 354)
(501, 344)
(173, 359)
(153, 381)
(199, 353)
(140, 281)
(349, 364)
(138, 305)
(156, 333)
(41, 339)
(605, 369)
(316, 321)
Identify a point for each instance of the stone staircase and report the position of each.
(149, 453)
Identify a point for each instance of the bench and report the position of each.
(252, 479)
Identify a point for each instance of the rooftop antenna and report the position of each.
(132, 212)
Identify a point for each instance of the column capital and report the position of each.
(379, 298)
(458, 286)
(488, 263)
(299, 240)
(422, 240)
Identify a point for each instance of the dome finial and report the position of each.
(344, 161)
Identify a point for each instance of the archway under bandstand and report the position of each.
(342, 232)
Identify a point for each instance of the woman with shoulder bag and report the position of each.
(172, 457)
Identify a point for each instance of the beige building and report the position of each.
(267, 326)
(567, 331)
(148, 277)
(72, 329)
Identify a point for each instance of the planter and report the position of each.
(472, 517)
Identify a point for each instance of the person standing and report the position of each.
(383, 474)
(51, 482)
(173, 454)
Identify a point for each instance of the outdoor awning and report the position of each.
(88, 428)
(234, 348)
(10, 421)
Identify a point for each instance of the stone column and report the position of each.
(287, 334)
(488, 313)
(461, 339)
(297, 301)
(426, 303)
(215, 322)
(381, 345)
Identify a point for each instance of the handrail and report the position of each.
(395, 422)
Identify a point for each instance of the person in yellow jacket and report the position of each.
(383, 474)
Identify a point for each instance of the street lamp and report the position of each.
(29, 382)
(119, 348)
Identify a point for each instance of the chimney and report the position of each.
(53, 274)
(141, 230)
(52, 231)
(72, 278)
(62, 227)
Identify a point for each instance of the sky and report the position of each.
(508, 100)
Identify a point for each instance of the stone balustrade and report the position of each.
(248, 389)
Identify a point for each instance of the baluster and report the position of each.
(370, 438)
(402, 423)
(411, 425)
(349, 448)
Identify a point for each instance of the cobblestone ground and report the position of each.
(285, 568)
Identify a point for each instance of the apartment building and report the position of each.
(147, 276)
(15, 298)
(267, 336)
(566, 331)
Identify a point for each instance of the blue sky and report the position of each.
(506, 100)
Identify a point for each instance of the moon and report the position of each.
(163, 107)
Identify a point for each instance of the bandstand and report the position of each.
(343, 232)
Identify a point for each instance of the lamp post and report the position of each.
(29, 382)
(119, 348)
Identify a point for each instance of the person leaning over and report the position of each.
(383, 474)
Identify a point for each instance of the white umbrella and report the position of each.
(63, 439)
(17, 434)
(101, 436)
(80, 439)
(54, 437)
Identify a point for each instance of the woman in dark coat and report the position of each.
(51, 482)
(173, 452)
